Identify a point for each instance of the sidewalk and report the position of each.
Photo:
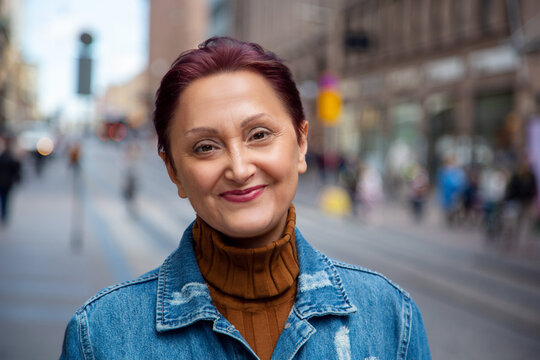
(523, 257)
(42, 281)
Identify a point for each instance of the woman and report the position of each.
(243, 283)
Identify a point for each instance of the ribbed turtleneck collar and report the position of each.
(247, 273)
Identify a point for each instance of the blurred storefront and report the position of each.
(448, 74)
(435, 107)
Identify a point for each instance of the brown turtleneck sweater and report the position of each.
(252, 288)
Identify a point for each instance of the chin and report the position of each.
(250, 224)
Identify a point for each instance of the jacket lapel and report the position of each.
(182, 295)
(320, 289)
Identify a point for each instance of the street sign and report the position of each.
(329, 99)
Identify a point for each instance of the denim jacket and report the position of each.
(341, 312)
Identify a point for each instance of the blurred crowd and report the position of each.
(502, 199)
(499, 198)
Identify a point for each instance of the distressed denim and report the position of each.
(341, 312)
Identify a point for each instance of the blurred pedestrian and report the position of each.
(520, 196)
(130, 185)
(419, 186)
(369, 191)
(10, 174)
(243, 283)
(451, 182)
(469, 198)
(39, 162)
(74, 157)
(492, 185)
(348, 177)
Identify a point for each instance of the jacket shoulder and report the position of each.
(126, 286)
(358, 276)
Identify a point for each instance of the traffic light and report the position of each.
(84, 78)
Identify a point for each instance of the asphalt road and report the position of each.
(67, 239)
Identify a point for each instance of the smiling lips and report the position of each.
(243, 195)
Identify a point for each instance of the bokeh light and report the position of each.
(45, 146)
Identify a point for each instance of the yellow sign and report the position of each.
(329, 106)
(335, 201)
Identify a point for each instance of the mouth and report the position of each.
(243, 195)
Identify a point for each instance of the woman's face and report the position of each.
(237, 156)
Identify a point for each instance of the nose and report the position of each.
(240, 169)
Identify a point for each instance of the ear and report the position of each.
(302, 142)
(172, 175)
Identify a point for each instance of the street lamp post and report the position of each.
(84, 89)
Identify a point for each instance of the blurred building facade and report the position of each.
(18, 79)
(175, 26)
(440, 78)
(125, 102)
(420, 79)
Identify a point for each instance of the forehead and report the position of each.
(227, 94)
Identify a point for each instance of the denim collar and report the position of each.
(183, 297)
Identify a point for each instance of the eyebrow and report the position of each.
(210, 130)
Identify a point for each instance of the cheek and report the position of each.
(199, 179)
(281, 162)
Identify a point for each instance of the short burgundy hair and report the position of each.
(215, 55)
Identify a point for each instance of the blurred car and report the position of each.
(37, 139)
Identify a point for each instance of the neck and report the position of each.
(248, 273)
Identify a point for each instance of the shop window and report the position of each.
(406, 119)
(371, 130)
(441, 127)
(491, 111)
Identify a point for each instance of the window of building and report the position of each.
(458, 18)
(491, 110)
(435, 9)
(484, 14)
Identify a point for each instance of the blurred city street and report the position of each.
(71, 235)
(423, 153)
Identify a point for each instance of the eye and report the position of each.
(203, 148)
(260, 134)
